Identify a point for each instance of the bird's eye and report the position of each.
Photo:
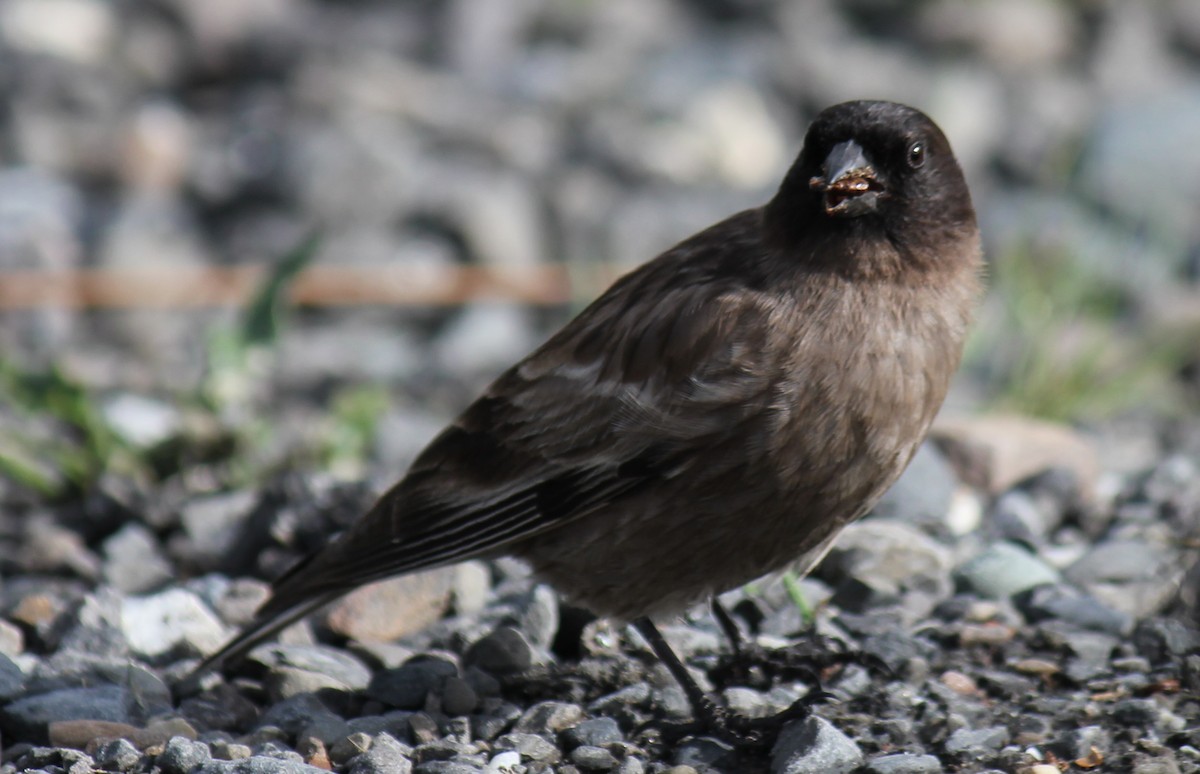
(916, 154)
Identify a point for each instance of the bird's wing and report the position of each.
(573, 428)
(664, 365)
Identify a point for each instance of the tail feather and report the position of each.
(266, 625)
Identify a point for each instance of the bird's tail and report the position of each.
(266, 624)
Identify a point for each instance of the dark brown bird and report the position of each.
(719, 413)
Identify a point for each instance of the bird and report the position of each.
(719, 413)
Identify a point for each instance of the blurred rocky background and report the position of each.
(254, 253)
(165, 160)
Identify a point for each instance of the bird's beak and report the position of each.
(849, 183)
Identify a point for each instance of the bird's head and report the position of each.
(872, 169)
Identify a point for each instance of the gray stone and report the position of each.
(1161, 764)
(348, 747)
(814, 746)
(141, 421)
(95, 630)
(635, 695)
(1003, 569)
(258, 764)
(175, 618)
(977, 742)
(286, 682)
(181, 756)
(1117, 561)
(904, 763)
(49, 546)
(503, 651)
(407, 686)
(923, 493)
(1065, 603)
(229, 751)
(590, 758)
(56, 760)
(538, 618)
(117, 755)
(504, 763)
(133, 560)
(445, 767)
(705, 754)
(1139, 713)
(458, 697)
(631, 765)
(12, 641)
(28, 717)
(276, 748)
(386, 756)
(1015, 516)
(296, 713)
(530, 746)
(12, 679)
(549, 717)
(214, 522)
(594, 732)
(1161, 639)
(891, 558)
(336, 664)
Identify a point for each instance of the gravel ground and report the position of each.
(1037, 620)
(1030, 588)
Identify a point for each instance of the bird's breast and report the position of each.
(860, 388)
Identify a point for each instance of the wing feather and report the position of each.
(658, 369)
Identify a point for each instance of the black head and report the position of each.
(873, 169)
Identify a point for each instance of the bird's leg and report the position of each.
(704, 707)
(728, 626)
(753, 665)
(718, 720)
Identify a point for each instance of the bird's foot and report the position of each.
(809, 659)
(748, 734)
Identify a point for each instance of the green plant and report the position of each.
(237, 356)
(57, 440)
(1054, 341)
(351, 428)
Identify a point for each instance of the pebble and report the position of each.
(1064, 603)
(924, 492)
(549, 717)
(530, 746)
(1003, 569)
(156, 624)
(1160, 639)
(891, 558)
(12, 679)
(705, 754)
(595, 732)
(814, 745)
(407, 686)
(504, 650)
(28, 718)
(1116, 561)
(295, 713)
(338, 667)
(904, 763)
(393, 608)
(385, 756)
(976, 743)
(181, 756)
(590, 758)
(117, 755)
(133, 560)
